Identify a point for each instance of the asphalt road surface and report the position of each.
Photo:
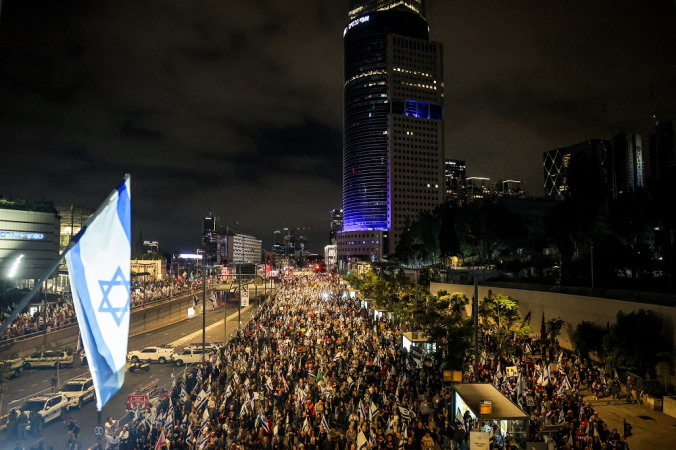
(32, 382)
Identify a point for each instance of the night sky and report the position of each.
(235, 107)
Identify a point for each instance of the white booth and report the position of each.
(381, 313)
(417, 339)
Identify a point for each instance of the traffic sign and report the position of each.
(98, 430)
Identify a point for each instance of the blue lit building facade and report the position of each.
(393, 161)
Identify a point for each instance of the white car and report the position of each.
(49, 358)
(13, 367)
(160, 354)
(190, 355)
(78, 392)
(50, 407)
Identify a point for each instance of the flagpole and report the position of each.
(36, 286)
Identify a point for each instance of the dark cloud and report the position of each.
(236, 107)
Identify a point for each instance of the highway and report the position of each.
(32, 382)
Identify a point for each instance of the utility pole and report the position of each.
(475, 313)
(592, 266)
(239, 311)
(204, 315)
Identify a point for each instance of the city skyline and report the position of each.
(237, 110)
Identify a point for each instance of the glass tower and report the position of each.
(393, 165)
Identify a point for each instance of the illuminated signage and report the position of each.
(356, 22)
(21, 235)
(189, 256)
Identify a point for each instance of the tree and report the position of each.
(637, 341)
(587, 338)
(502, 313)
(443, 319)
(553, 329)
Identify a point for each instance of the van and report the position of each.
(190, 355)
(49, 358)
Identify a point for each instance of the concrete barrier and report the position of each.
(669, 406)
(573, 309)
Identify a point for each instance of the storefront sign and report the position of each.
(21, 235)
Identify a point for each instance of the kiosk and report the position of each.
(418, 339)
(488, 408)
(381, 313)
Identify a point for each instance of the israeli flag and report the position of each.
(80, 346)
(404, 439)
(337, 357)
(184, 422)
(372, 437)
(265, 424)
(189, 436)
(373, 410)
(201, 399)
(205, 419)
(184, 394)
(195, 301)
(325, 424)
(99, 275)
(228, 391)
(361, 441)
(169, 421)
(204, 441)
(173, 379)
(306, 426)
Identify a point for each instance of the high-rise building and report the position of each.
(478, 188)
(455, 180)
(393, 161)
(336, 224)
(210, 248)
(556, 163)
(627, 164)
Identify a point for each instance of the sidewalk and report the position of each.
(651, 429)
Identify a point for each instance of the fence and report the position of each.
(654, 388)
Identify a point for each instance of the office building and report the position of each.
(597, 152)
(336, 224)
(455, 180)
(243, 249)
(478, 188)
(29, 241)
(73, 218)
(393, 163)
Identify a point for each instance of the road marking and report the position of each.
(20, 390)
(44, 381)
(34, 385)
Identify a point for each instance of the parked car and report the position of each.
(49, 358)
(160, 354)
(50, 407)
(190, 355)
(78, 391)
(13, 367)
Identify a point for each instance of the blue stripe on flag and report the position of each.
(124, 209)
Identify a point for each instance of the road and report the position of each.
(34, 381)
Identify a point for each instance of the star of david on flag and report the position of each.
(98, 261)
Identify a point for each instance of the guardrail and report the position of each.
(654, 388)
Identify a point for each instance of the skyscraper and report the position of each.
(455, 180)
(393, 162)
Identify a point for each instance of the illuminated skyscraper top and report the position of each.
(359, 7)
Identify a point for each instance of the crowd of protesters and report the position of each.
(62, 314)
(548, 385)
(148, 290)
(315, 371)
(58, 315)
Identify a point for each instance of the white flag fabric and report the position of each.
(99, 274)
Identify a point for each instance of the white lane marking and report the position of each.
(34, 385)
(44, 381)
